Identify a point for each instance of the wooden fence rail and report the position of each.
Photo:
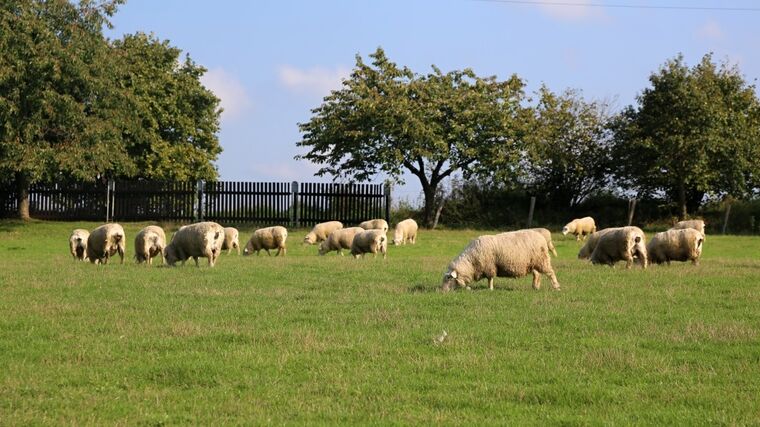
(286, 203)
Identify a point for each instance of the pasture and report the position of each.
(333, 340)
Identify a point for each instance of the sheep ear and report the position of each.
(453, 274)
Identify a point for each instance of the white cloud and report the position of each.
(314, 80)
(579, 10)
(229, 89)
(710, 30)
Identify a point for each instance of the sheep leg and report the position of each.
(268, 253)
(195, 258)
(536, 280)
(490, 283)
(121, 254)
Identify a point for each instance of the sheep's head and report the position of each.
(398, 237)
(565, 230)
(310, 239)
(170, 254)
(451, 280)
(248, 250)
(323, 248)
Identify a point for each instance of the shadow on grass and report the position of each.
(422, 288)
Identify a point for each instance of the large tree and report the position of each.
(59, 111)
(388, 119)
(569, 146)
(74, 105)
(175, 120)
(695, 131)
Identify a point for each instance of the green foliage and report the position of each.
(389, 119)
(694, 133)
(569, 148)
(306, 339)
(176, 120)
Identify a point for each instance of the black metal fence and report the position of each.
(292, 203)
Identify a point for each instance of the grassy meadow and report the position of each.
(334, 340)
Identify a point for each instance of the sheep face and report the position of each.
(310, 239)
(323, 249)
(170, 254)
(565, 230)
(452, 280)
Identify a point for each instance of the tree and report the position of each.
(389, 119)
(58, 109)
(568, 149)
(175, 120)
(695, 132)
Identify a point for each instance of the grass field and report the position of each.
(331, 340)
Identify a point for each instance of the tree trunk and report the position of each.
(682, 212)
(22, 196)
(429, 208)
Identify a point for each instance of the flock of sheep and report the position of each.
(510, 254)
(208, 239)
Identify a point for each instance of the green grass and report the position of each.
(333, 340)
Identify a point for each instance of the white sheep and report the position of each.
(405, 230)
(696, 224)
(104, 242)
(149, 243)
(231, 240)
(590, 245)
(321, 231)
(618, 244)
(202, 239)
(268, 238)
(375, 224)
(78, 244)
(547, 236)
(512, 254)
(676, 245)
(339, 239)
(370, 241)
(580, 227)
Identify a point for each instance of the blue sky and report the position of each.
(271, 62)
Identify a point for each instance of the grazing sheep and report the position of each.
(547, 236)
(676, 245)
(696, 224)
(268, 238)
(104, 242)
(339, 239)
(512, 254)
(321, 231)
(78, 244)
(375, 224)
(580, 227)
(202, 239)
(231, 240)
(369, 241)
(621, 243)
(405, 230)
(590, 245)
(150, 243)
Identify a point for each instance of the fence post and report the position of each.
(112, 183)
(388, 202)
(631, 209)
(294, 212)
(530, 211)
(200, 187)
(108, 199)
(725, 219)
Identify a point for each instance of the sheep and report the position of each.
(621, 243)
(267, 238)
(202, 239)
(231, 240)
(580, 227)
(405, 230)
(339, 239)
(375, 224)
(105, 241)
(78, 244)
(512, 254)
(590, 245)
(150, 243)
(696, 224)
(369, 241)
(676, 245)
(547, 236)
(321, 231)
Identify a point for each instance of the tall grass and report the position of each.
(310, 339)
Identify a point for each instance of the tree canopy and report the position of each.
(75, 105)
(695, 132)
(389, 119)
